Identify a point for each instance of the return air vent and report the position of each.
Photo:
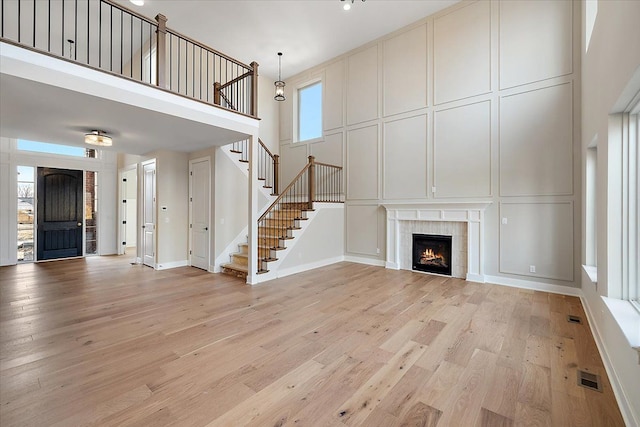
(574, 319)
(587, 380)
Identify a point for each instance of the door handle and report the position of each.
(206, 229)
(79, 224)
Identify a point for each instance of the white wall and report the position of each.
(172, 192)
(106, 166)
(231, 201)
(321, 243)
(478, 102)
(610, 64)
(269, 112)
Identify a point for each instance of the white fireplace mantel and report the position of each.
(471, 212)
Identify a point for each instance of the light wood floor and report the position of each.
(99, 341)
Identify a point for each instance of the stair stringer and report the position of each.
(243, 167)
(225, 256)
(274, 267)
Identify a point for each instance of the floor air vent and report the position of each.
(587, 380)
(574, 319)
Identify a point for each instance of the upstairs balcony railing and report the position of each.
(106, 36)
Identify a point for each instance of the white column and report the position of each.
(252, 277)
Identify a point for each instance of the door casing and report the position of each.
(199, 212)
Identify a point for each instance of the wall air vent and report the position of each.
(574, 319)
(588, 380)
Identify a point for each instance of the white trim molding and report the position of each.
(172, 264)
(471, 213)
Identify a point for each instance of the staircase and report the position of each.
(272, 238)
(316, 182)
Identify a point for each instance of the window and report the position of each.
(91, 212)
(310, 112)
(26, 199)
(632, 190)
(591, 258)
(64, 150)
(590, 14)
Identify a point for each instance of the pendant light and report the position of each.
(279, 83)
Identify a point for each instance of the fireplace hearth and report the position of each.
(432, 253)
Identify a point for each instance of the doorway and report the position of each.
(148, 242)
(199, 208)
(60, 213)
(128, 210)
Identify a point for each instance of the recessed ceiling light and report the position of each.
(346, 6)
(137, 2)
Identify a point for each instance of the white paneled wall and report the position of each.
(410, 51)
(362, 163)
(362, 86)
(463, 148)
(536, 142)
(536, 41)
(405, 158)
(473, 103)
(462, 52)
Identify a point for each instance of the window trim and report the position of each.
(296, 111)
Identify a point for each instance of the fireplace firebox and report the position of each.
(432, 253)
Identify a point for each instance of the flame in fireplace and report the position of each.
(429, 257)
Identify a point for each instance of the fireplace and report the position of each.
(432, 253)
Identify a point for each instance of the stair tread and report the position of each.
(237, 267)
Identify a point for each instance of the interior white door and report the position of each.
(200, 186)
(149, 213)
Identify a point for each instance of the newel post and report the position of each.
(312, 180)
(161, 51)
(254, 89)
(216, 93)
(276, 173)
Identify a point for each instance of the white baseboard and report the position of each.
(392, 265)
(362, 260)
(536, 286)
(172, 264)
(478, 278)
(621, 398)
(316, 264)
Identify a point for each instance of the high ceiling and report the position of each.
(307, 32)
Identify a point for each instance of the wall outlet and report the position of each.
(433, 189)
(504, 221)
(222, 221)
(532, 269)
(377, 250)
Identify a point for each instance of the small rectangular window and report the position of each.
(26, 212)
(310, 112)
(91, 212)
(64, 150)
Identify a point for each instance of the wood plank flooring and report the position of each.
(98, 341)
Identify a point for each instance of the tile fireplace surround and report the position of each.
(403, 219)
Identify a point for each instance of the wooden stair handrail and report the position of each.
(281, 195)
(275, 160)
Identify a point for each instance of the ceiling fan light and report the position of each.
(99, 138)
